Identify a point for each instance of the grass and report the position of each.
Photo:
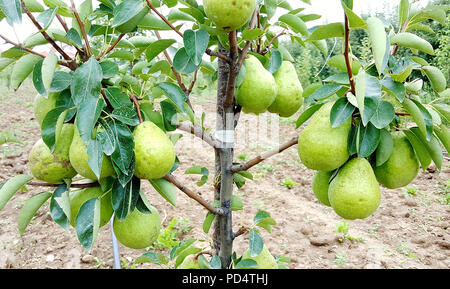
(289, 183)
(341, 260)
(403, 249)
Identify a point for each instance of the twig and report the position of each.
(247, 44)
(83, 30)
(135, 100)
(70, 61)
(192, 195)
(242, 230)
(403, 29)
(198, 131)
(164, 18)
(217, 54)
(60, 62)
(273, 39)
(260, 158)
(191, 87)
(346, 56)
(208, 252)
(81, 186)
(63, 23)
(111, 47)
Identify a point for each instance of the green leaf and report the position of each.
(29, 209)
(403, 12)
(63, 9)
(377, 37)
(436, 77)
(326, 31)
(181, 247)
(433, 146)
(122, 54)
(252, 34)
(420, 115)
(186, 252)
(109, 69)
(153, 22)
(95, 153)
(371, 106)
(412, 41)
(86, 82)
(88, 113)
(49, 126)
(246, 264)
(208, 222)
(295, 23)
(22, 69)
(307, 114)
(11, 187)
(354, 20)
(369, 138)
(60, 206)
(340, 112)
(46, 17)
(87, 222)
(419, 148)
(215, 262)
(264, 220)
(256, 243)
(125, 11)
(155, 48)
(126, 114)
(195, 43)
(325, 91)
(360, 90)
(183, 63)
(174, 93)
(166, 189)
(199, 170)
(124, 198)
(74, 36)
(116, 97)
(154, 258)
(12, 9)
(383, 115)
(385, 147)
(275, 61)
(124, 151)
(396, 89)
(236, 203)
(37, 78)
(61, 81)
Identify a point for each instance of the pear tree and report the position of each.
(106, 112)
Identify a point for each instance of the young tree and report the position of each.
(105, 112)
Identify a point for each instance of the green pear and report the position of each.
(355, 193)
(78, 198)
(402, 166)
(258, 90)
(321, 147)
(265, 260)
(79, 160)
(138, 230)
(189, 263)
(42, 105)
(320, 184)
(53, 167)
(229, 15)
(155, 153)
(289, 91)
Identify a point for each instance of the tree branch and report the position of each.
(83, 30)
(242, 230)
(260, 158)
(198, 131)
(31, 51)
(163, 18)
(266, 49)
(135, 100)
(217, 54)
(111, 47)
(63, 23)
(347, 57)
(70, 61)
(192, 195)
(247, 44)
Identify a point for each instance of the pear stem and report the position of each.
(111, 47)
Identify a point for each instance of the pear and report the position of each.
(265, 260)
(78, 198)
(321, 147)
(53, 167)
(355, 193)
(155, 154)
(402, 166)
(258, 90)
(42, 105)
(189, 263)
(79, 160)
(320, 184)
(138, 230)
(289, 91)
(229, 15)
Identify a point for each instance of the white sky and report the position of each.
(330, 10)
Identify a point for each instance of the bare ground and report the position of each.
(410, 229)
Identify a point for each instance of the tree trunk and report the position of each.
(223, 231)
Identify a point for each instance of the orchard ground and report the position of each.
(410, 229)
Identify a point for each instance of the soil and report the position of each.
(410, 229)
